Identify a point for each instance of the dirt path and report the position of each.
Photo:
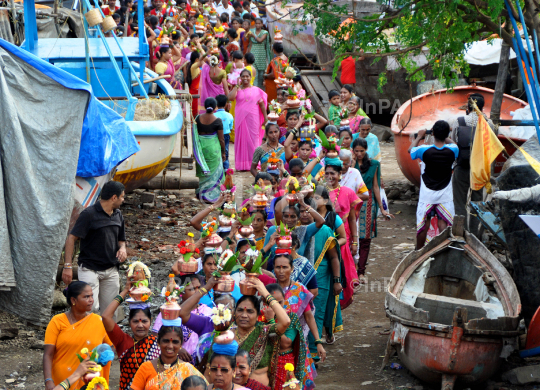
(353, 361)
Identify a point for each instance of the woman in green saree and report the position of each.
(209, 152)
(259, 45)
(252, 336)
(323, 251)
(367, 222)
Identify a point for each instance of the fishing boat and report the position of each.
(454, 311)
(424, 110)
(297, 34)
(116, 66)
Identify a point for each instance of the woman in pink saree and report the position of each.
(250, 116)
(347, 205)
(213, 82)
(170, 62)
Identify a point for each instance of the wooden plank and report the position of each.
(317, 104)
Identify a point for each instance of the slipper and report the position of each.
(332, 341)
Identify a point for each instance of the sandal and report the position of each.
(362, 279)
(332, 340)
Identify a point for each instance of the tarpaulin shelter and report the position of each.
(53, 129)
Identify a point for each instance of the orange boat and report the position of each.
(433, 106)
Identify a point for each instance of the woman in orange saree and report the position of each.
(68, 333)
(167, 371)
(275, 69)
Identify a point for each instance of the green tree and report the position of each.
(404, 27)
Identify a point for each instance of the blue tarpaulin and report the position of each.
(106, 139)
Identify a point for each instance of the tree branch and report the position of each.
(359, 54)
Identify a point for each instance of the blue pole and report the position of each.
(529, 97)
(30, 25)
(530, 52)
(84, 10)
(143, 43)
(132, 71)
(535, 42)
(524, 58)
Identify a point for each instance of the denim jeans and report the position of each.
(227, 138)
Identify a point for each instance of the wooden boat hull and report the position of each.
(292, 29)
(432, 106)
(87, 190)
(431, 357)
(442, 331)
(149, 162)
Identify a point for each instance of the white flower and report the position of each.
(227, 315)
(252, 253)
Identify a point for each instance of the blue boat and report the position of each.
(115, 68)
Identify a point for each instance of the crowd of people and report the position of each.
(319, 180)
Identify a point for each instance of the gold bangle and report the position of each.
(354, 244)
(272, 303)
(203, 291)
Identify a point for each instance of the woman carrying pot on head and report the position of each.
(137, 348)
(291, 347)
(270, 149)
(68, 333)
(323, 250)
(170, 61)
(367, 221)
(167, 370)
(256, 338)
(213, 81)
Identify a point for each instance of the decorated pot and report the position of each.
(229, 209)
(292, 199)
(273, 117)
(87, 378)
(225, 221)
(306, 190)
(293, 103)
(170, 310)
(225, 283)
(246, 231)
(138, 274)
(226, 337)
(214, 241)
(284, 242)
(222, 327)
(188, 267)
(260, 201)
(136, 293)
(332, 154)
(244, 288)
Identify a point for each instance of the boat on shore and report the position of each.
(446, 105)
(112, 66)
(297, 34)
(454, 311)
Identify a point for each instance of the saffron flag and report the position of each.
(485, 149)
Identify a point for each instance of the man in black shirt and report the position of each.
(103, 245)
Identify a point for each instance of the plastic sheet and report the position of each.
(106, 139)
(39, 146)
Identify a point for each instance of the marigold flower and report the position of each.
(144, 298)
(289, 367)
(191, 234)
(84, 356)
(171, 275)
(167, 293)
(210, 229)
(84, 350)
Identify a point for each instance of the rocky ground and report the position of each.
(354, 361)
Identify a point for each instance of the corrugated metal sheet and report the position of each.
(5, 27)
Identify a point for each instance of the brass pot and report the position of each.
(222, 327)
(225, 283)
(244, 288)
(284, 243)
(292, 199)
(170, 310)
(214, 241)
(332, 154)
(188, 267)
(225, 337)
(225, 221)
(246, 231)
(260, 201)
(136, 293)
